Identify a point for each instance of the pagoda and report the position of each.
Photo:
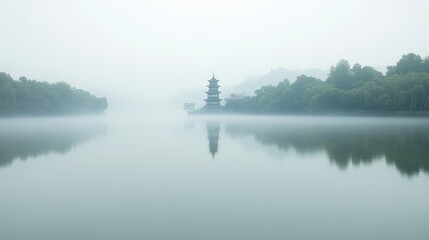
(213, 100)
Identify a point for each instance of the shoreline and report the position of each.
(319, 114)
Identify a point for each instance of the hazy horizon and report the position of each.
(147, 51)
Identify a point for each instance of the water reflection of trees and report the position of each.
(404, 143)
(28, 138)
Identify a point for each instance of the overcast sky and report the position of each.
(155, 48)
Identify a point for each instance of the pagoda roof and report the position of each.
(213, 79)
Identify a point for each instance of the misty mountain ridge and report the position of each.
(273, 77)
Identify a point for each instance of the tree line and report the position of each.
(24, 97)
(404, 87)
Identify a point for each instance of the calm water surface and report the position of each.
(180, 177)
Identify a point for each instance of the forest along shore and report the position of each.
(30, 97)
(403, 90)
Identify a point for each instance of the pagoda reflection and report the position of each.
(213, 129)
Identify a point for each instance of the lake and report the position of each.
(214, 177)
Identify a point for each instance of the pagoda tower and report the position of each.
(213, 100)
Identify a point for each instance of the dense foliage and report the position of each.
(405, 87)
(25, 96)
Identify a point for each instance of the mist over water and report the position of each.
(145, 169)
(172, 176)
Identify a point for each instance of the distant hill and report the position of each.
(250, 84)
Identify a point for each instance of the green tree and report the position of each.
(408, 63)
(341, 75)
